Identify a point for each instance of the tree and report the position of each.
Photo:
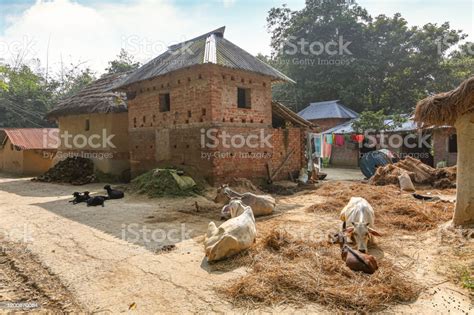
(26, 95)
(24, 98)
(377, 122)
(368, 63)
(124, 62)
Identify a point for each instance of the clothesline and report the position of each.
(340, 140)
(323, 142)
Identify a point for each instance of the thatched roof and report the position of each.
(209, 48)
(94, 98)
(283, 113)
(445, 108)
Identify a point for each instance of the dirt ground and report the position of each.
(111, 260)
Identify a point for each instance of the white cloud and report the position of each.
(228, 3)
(94, 34)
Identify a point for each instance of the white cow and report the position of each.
(360, 214)
(234, 235)
(261, 204)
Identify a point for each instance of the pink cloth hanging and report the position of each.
(339, 140)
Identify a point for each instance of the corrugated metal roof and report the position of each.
(32, 138)
(327, 109)
(193, 52)
(346, 128)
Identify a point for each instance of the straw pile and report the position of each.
(286, 269)
(393, 209)
(419, 173)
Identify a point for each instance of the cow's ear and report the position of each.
(349, 230)
(374, 232)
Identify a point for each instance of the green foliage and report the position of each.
(161, 184)
(390, 65)
(124, 62)
(28, 92)
(26, 95)
(377, 121)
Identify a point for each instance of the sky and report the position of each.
(90, 33)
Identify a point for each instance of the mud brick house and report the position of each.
(27, 151)
(445, 147)
(88, 118)
(182, 102)
(328, 114)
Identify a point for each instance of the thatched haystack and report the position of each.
(456, 108)
(445, 108)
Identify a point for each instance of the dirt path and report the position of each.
(27, 285)
(109, 258)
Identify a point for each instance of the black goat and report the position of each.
(97, 201)
(114, 193)
(78, 197)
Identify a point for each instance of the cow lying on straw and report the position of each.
(261, 204)
(234, 235)
(354, 260)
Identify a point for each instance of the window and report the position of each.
(243, 98)
(87, 127)
(453, 144)
(165, 102)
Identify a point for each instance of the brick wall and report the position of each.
(252, 162)
(328, 123)
(440, 146)
(346, 155)
(205, 97)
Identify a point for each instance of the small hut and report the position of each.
(27, 151)
(93, 124)
(456, 108)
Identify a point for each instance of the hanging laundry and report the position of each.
(357, 138)
(329, 139)
(339, 140)
(317, 145)
(327, 148)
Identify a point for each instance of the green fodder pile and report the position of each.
(392, 207)
(287, 269)
(160, 184)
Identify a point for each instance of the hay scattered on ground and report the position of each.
(286, 269)
(392, 208)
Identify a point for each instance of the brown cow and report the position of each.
(355, 260)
